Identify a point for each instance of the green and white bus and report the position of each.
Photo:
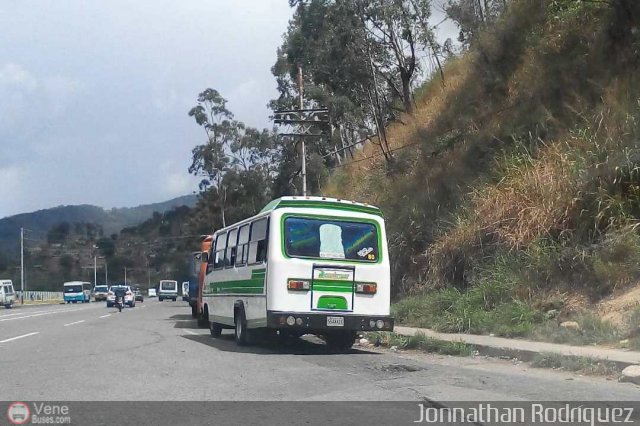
(303, 265)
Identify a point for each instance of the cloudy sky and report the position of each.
(94, 94)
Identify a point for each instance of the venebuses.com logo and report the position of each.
(18, 413)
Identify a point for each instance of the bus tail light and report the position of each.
(298, 285)
(367, 288)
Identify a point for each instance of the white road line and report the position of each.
(191, 332)
(19, 337)
(104, 316)
(22, 313)
(72, 323)
(41, 314)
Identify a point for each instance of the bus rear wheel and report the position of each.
(203, 318)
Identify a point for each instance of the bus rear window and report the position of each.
(168, 285)
(331, 239)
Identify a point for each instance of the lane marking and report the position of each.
(41, 314)
(72, 323)
(104, 316)
(19, 337)
(22, 313)
(192, 333)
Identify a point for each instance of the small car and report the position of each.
(138, 294)
(100, 293)
(129, 298)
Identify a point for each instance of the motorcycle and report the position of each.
(119, 303)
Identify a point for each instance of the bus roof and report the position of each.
(322, 203)
(76, 282)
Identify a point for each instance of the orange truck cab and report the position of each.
(196, 308)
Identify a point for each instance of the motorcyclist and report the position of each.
(119, 293)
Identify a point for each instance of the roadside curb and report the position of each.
(526, 350)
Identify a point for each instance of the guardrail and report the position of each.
(39, 296)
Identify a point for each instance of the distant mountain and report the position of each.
(112, 221)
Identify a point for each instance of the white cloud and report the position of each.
(178, 183)
(14, 75)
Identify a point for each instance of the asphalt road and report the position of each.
(155, 352)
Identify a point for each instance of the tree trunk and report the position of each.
(223, 207)
(406, 92)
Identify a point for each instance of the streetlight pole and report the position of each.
(304, 155)
(95, 270)
(125, 275)
(22, 266)
(106, 273)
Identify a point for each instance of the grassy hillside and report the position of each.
(516, 187)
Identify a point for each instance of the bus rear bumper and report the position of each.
(328, 321)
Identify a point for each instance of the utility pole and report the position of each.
(309, 123)
(304, 154)
(22, 266)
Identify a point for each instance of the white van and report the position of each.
(7, 295)
(168, 289)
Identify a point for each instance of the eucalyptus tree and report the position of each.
(233, 159)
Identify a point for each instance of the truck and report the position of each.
(7, 294)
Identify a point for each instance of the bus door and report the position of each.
(333, 288)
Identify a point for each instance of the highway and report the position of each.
(155, 352)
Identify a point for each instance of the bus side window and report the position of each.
(243, 245)
(220, 247)
(232, 242)
(210, 257)
(258, 244)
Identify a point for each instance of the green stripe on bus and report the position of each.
(253, 285)
(331, 289)
(318, 204)
(333, 285)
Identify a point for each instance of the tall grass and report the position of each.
(489, 307)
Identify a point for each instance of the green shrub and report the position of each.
(421, 342)
(489, 307)
(593, 331)
(584, 365)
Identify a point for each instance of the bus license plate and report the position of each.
(335, 321)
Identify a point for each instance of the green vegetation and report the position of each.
(485, 308)
(528, 169)
(593, 331)
(421, 342)
(582, 365)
